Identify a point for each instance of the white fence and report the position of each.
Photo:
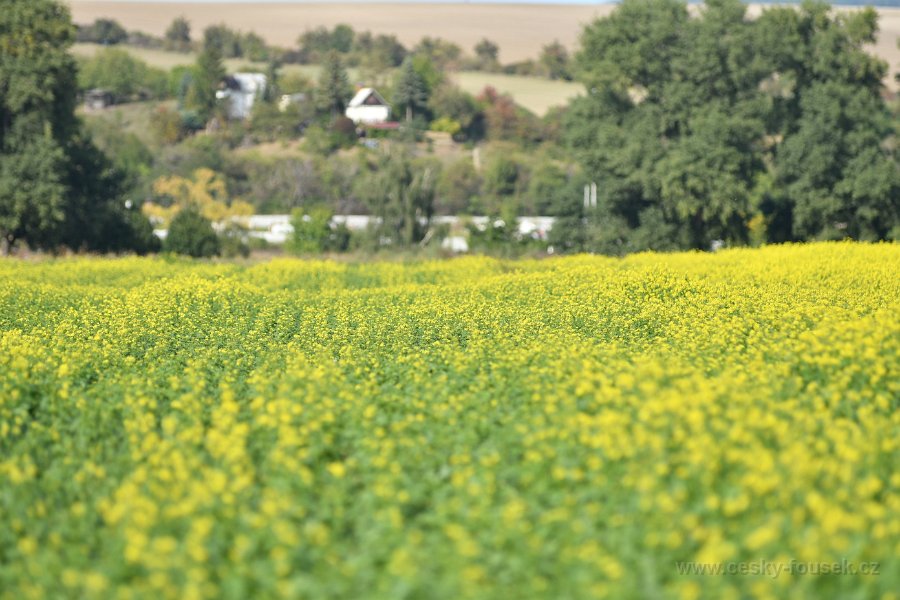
(276, 229)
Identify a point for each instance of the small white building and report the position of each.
(368, 107)
(241, 92)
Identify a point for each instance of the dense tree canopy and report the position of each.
(56, 188)
(697, 128)
(399, 191)
(333, 91)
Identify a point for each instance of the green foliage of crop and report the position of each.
(565, 428)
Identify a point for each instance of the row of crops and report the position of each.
(567, 428)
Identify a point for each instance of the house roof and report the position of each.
(363, 94)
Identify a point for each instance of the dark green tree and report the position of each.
(389, 50)
(227, 41)
(554, 61)
(400, 191)
(56, 188)
(129, 155)
(313, 232)
(103, 31)
(342, 38)
(547, 183)
(501, 176)
(96, 216)
(312, 229)
(208, 75)
(444, 55)
(572, 229)
(333, 91)
(457, 188)
(410, 94)
(694, 128)
(315, 44)
(376, 55)
(453, 103)
(254, 48)
(192, 234)
(273, 78)
(487, 54)
(835, 174)
(178, 35)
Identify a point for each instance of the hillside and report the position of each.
(537, 94)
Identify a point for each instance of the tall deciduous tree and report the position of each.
(834, 172)
(178, 35)
(488, 54)
(400, 192)
(693, 128)
(56, 188)
(554, 61)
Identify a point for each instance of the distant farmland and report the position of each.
(519, 29)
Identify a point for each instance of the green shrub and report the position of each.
(233, 242)
(312, 227)
(144, 241)
(313, 232)
(192, 234)
(125, 76)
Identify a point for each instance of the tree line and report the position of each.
(695, 130)
(721, 127)
(373, 53)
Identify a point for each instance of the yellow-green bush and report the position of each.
(567, 428)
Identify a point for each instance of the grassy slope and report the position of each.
(534, 93)
(133, 117)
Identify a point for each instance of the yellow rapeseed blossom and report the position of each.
(582, 427)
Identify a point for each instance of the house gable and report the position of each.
(368, 107)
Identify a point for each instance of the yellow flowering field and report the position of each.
(570, 428)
